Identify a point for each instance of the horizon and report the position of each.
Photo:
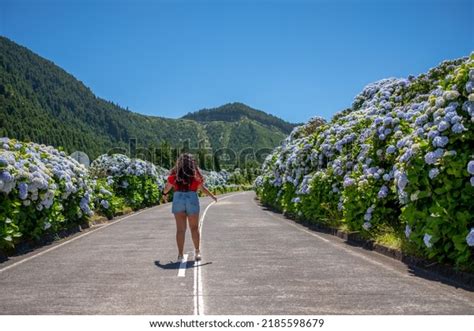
(288, 60)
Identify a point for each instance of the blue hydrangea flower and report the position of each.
(433, 157)
(420, 132)
(3, 160)
(383, 192)
(105, 204)
(7, 182)
(348, 182)
(387, 121)
(440, 141)
(407, 155)
(391, 149)
(470, 238)
(442, 126)
(427, 240)
(6, 176)
(458, 128)
(407, 231)
(421, 120)
(470, 167)
(433, 134)
(455, 119)
(433, 173)
(23, 190)
(401, 143)
(468, 107)
(84, 204)
(469, 86)
(105, 192)
(402, 181)
(296, 200)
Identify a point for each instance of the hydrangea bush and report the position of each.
(41, 190)
(215, 179)
(401, 158)
(106, 202)
(138, 182)
(220, 182)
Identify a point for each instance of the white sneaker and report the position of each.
(180, 258)
(197, 255)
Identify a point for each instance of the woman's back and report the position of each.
(191, 184)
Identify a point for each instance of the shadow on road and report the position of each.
(461, 280)
(175, 265)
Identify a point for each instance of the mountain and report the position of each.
(236, 111)
(239, 126)
(41, 102)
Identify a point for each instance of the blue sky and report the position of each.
(294, 59)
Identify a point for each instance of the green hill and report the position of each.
(238, 126)
(41, 102)
(236, 111)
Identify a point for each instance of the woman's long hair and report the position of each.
(186, 170)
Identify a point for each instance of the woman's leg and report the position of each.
(194, 226)
(180, 231)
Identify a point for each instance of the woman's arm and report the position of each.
(166, 190)
(203, 188)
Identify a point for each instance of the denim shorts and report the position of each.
(187, 202)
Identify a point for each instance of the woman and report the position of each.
(185, 179)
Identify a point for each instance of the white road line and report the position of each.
(195, 287)
(200, 296)
(182, 266)
(74, 239)
(198, 301)
(198, 289)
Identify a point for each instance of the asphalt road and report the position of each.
(254, 262)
